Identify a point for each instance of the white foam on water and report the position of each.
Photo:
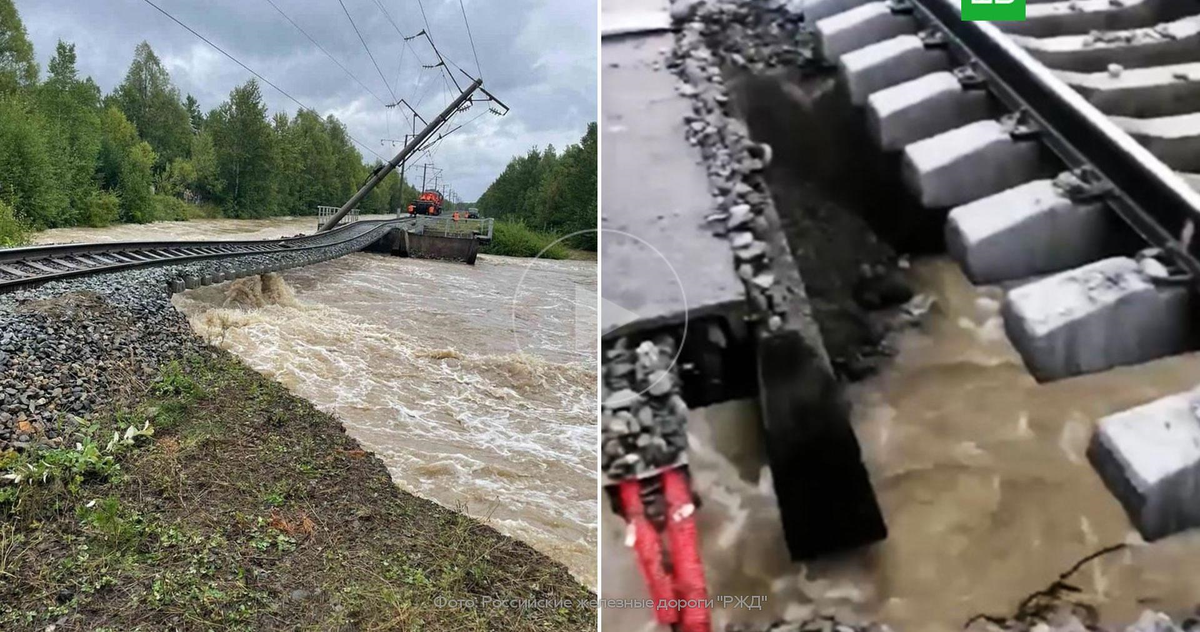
(419, 361)
(981, 474)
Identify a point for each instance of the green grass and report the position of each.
(223, 502)
(515, 239)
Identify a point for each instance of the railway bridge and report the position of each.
(421, 237)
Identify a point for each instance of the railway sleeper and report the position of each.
(1140, 92)
(924, 107)
(1019, 233)
(1007, 218)
(1074, 303)
(42, 267)
(1084, 16)
(884, 64)
(861, 26)
(1168, 43)
(1109, 313)
(968, 163)
(1149, 458)
(1175, 140)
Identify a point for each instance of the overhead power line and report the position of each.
(252, 71)
(388, 16)
(403, 37)
(428, 32)
(327, 54)
(470, 38)
(368, 49)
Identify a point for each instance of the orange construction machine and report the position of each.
(428, 203)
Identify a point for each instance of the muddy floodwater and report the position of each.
(981, 474)
(476, 385)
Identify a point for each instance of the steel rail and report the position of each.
(125, 254)
(1143, 191)
(26, 253)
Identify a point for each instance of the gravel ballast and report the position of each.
(67, 347)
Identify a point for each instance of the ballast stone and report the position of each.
(1093, 318)
(1149, 458)
(1021, 232)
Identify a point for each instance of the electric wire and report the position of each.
(368, 49)
(429, 36)
(470, 38)
(327, 54)
(252, 71)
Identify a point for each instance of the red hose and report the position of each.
(685, 552)
(649, 552)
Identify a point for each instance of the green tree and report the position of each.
(290, 179)
(26, 171)
(204, 162)
(565, 201)
(549, 191)
(243, 141)
(152, 104)
(126, 166)
(194, 114)
(17, 66)
(71, 110)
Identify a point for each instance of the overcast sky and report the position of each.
(538, 56)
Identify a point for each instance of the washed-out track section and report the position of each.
(29, 267)
(1093, 239)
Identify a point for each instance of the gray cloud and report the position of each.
(539, 56)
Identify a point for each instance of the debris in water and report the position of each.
(1051, 606)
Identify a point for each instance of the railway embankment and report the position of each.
(148, 481)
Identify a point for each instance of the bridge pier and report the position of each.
(400, 242)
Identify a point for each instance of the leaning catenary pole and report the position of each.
(400, 157)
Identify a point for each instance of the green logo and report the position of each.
(993, 10)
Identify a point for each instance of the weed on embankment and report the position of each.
(515, 239)
(223, 502)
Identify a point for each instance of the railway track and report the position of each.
(1093, 238)
(28, 267)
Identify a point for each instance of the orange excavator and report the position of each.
(428, 203)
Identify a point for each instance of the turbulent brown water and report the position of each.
(981, 474)
(475, 384)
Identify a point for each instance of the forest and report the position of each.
(70, 155)
(550, 192)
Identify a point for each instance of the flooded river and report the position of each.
(981, 474)
(475, 384)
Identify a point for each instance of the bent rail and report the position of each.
(31, 266)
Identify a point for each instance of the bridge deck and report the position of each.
(656, 189)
